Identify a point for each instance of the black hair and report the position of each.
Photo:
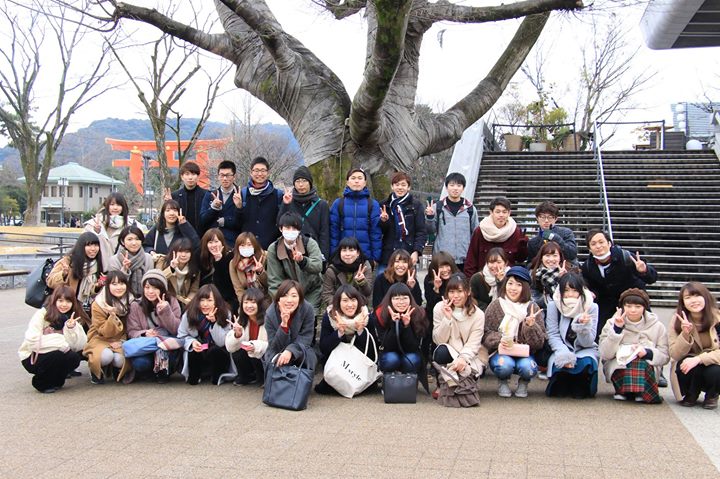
(253, 294)
(596, 231)
(185, 244)
(458, 178)
(227, 165)
(110, 300)
(145, 304)
(119, 199)
(348, 242)
(291, 220)
(548, 208)
(193, 310)
(575, 281)
(78, 259)
(352, 293)
(161, 225)
(132, 229)
(500, 201)
(259, 160)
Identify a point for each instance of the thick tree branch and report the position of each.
(443, 10)
(342, 8)
(451, 124)
(388, 39)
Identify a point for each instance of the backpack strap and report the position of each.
(341, 213)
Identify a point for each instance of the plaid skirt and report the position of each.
(638, 377)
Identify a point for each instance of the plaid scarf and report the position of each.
(204, 330)
(547, 278)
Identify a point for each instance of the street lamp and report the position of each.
(149, 195)
(62, 183)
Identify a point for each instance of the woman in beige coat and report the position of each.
(694, 347)
(247, 267)
(634, 348)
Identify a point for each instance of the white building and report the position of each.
(84, 190)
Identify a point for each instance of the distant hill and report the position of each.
(87, 145)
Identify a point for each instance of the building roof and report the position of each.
(681, 24)
(78, 174)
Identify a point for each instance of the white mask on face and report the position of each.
(291, 235)
(603, 257)
(246, 252)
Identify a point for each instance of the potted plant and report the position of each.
(548, 124)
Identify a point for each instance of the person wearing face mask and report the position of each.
(634, 348)
(571, 325)
(348, 265)
(303, 200)
(215, 258)
(247, 267)
(546, 214)
(484, 284)
(609, 270)
(402, 221)
(296, 257)
(109, 222)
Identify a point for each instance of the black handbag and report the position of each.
(36, 290)
(400, 388)
(288, 387)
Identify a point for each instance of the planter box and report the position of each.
(572, 142)
(536, 147)
(512, 142)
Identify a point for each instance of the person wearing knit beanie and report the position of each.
(303, 172)
(635, 296)
(155, 274)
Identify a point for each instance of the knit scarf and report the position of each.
(137, 268)
(547, 278)
(343, 267)
(180, 277)
(87, 285)
(349, 323)
(494, 234)
(572, 309)
(249, 270)
(491, 280)
(401, 231)
(259, 191)
(306, 197)
(515, 313)
(204, 330)
(116, 222)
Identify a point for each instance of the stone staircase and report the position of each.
(664, 204)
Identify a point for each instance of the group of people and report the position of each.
(234, 278)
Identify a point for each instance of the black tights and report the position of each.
(698, 379)
(51, 369)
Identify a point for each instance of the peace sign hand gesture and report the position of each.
(211, 315)
(174, 261)
(126, 262)
(384, 214)
(181, 218)
(288, 196)
(640, 265)
(360, 275)
(437, 280)
(393, 315)
(411, 279)
(167, 194)
(296, 255)
(236, 326)
(406, 316)
(619, 317)
(447, 308)
(72, 322)
(430, 208)
(563, 268)
(686, 325)
(258, 266)
(216, 201)
(340, 324)
(237, 199)
(161, 305)
(96, 225)
(530, 319)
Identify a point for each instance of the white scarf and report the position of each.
(514, 314)
(116, 222)
(87, 285)
(180, 275)
(349, 323)
(491, 280)
(494, 234)
(576, 310)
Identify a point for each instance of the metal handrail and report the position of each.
(58, 242)
(597, 141)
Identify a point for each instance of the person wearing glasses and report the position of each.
(258, 204)
(547, 214)
(219, 209)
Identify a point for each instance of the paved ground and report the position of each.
(175, 430)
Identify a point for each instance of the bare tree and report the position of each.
(34, 40)
(172, 70)
(378, 128)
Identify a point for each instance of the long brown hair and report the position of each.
(206, 259)
(459, 282)
(242, 239)
(52, 314)
(193, 310)
(547, 248)
(710, 313)
(418, 321)
(398, 254)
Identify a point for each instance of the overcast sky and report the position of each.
(448, 71)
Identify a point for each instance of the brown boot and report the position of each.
(710, 402)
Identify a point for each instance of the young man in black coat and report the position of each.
(258, 204)
(190, 196)
(547, 214)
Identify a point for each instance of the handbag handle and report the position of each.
(367, 343)
(397, 338)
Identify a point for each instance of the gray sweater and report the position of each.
(453, 231)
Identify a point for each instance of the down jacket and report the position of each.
(355, 222)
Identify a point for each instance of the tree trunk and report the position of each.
(30, 217)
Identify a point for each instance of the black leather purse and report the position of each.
(400, 387)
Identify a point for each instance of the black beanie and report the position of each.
(304, 173)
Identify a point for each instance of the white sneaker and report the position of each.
(521, 390)
(542, 376)
(504, 390)
(639, 398)
(619, 397)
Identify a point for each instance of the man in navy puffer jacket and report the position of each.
(357, 214)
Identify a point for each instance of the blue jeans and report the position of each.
(505, 366)
(392, 361)
(143, 363)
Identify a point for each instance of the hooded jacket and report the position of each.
(355, 222)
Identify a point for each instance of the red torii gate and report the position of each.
(136, 149)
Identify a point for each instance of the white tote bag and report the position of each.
(350, 371)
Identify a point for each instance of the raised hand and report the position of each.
(406, 316)
(447, 308)
(161, 305)
(640, 265)
(296, 255)
(284, 317)
(288, 196)
(585, 317)
(563, 268)
(414, 258)
(360, 275)
(174, 261)
(437, 280)
(393, 315)
(340, 324)
(430, 208)
(619, 318)
(70, 323)
(384, 214)
(258, 266)
(181, 218)
(237, 327)
(216, 201)
(167, 194)
(96, 225)
(685, 325)
(237, 199)
(211, 315)
(126, 262)
(411, 278)
(534, 311)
